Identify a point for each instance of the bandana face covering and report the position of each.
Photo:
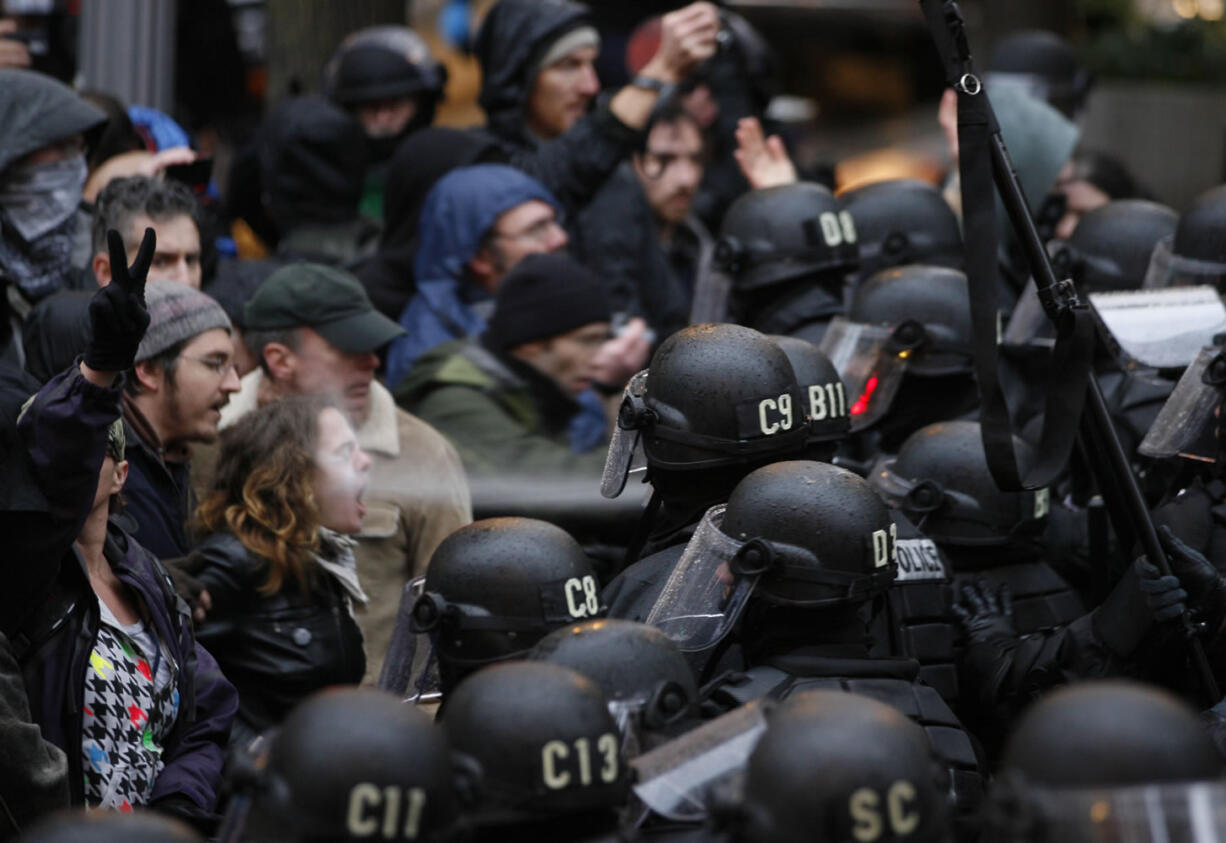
(38, 198)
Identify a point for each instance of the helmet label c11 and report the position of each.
(389, 813)
(566, 765)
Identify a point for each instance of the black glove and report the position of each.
(1164, 596)
(1204, 583)
(183, 574)
(117, 313)
(984, 615)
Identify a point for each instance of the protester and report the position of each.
(130, 205)
(278, 562)
(315, 333)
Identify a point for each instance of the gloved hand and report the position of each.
(1164, 596)
(984, 615)
(183, 574)
(1205, 584)
(117, 313)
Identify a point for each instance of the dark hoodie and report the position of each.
(514, 36)
(420, 161)
(56, 331)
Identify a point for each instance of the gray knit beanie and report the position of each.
(177, 313)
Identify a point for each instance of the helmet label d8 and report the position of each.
(837, 229)
(565, 765)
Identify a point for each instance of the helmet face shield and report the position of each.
(677, 780)
(1161, 329)
(626, 446)
(410, 669)
(1185, 424)
(871, 367)
(701, 603)
(1167, 269)
(1190, 812)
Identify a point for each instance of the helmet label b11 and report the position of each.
(827, 400)
(389, 813)
(900, 814)
(566, 765)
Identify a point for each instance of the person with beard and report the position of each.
(132, 204)
(651, 261)
(182, 376)
(42, 173)
(315, 332)
(415, 167)
(387, 79)
(539, 82)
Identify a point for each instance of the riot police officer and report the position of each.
(903, 221)
(1196, 252)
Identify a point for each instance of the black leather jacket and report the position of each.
(277, 649)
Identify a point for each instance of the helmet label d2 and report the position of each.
(885, 546)
(572, 765)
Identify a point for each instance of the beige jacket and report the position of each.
(417, 496)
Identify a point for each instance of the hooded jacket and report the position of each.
(425, 157)
(458, 212)
(513, 37)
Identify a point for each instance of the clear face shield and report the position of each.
(410, 668)
(680, 780)
(1160, 329)
(1183, 812)
(1185, 426)
(871, 359)
(1167, 269)
(625, 455)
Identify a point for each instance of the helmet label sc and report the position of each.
(389, 813)
(869, 820)
(574, 765)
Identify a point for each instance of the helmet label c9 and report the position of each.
(868, 821)
(390, 813)
(582, 599)
(572, 765)
(775, 414)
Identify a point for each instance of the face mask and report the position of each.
(40, 197)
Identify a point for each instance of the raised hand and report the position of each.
(117, 314)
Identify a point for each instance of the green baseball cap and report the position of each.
(328, 300)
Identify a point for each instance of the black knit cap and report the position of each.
(545, 296)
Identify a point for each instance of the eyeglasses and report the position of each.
(219, 366)
(538, 232)
(656, 164)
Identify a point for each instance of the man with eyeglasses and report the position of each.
(182, 376)
(649, 262)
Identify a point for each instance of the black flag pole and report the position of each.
(1075, 408)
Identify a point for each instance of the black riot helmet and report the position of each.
(1196, 254)
(1108, 760)
(1046, 65)
(543, 741)
(75, 826)
(641, 671)
(841, 768)
(497, 586)
(941, 481)
(826, 405)
(929, 309)
(355, 764)
(714, 395)
(386, 62)
(1111, 246)
(903, 221)
(778, 234)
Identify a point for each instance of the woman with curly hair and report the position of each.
(277, 560)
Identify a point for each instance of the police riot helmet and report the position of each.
(641, 671)
(542, 739)
(1108, 760)
(941, 481)
(355, 764)
(903, 221)
(1196, 253)
(75, 826)
(384, 62)
(1045, 64)
(826, 406)
(497, 586)
(841, 767)
(778, 234)
(928, 308)
(714, 395)
(1111, 246)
